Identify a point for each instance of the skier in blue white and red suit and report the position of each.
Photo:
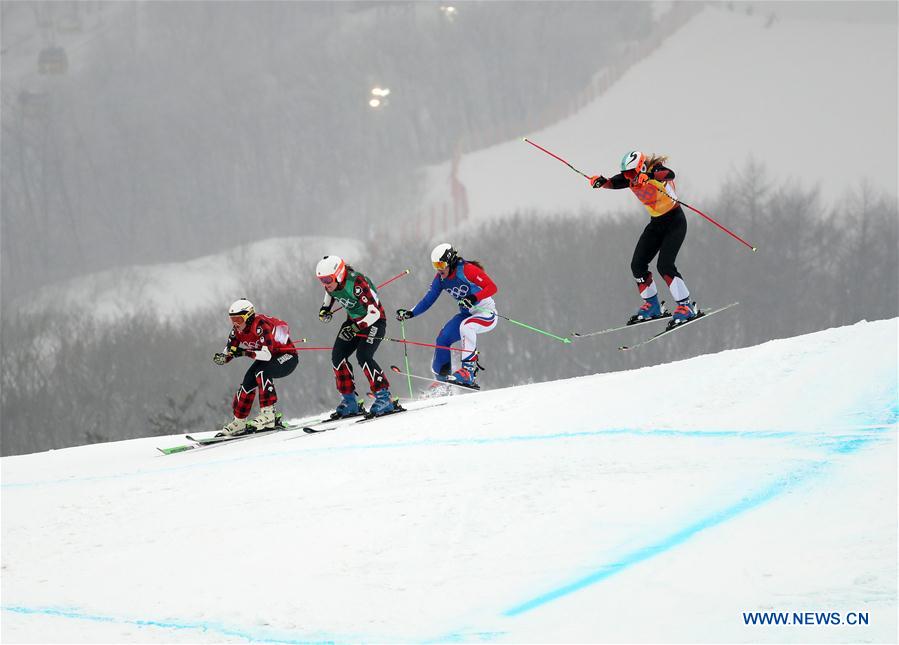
(469, 284)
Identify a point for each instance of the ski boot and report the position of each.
(467, 373)
(268, 419)
(651, 308)
(383, 404)
(350, 406)
(684, 312)
(438, 388)
(234, 428)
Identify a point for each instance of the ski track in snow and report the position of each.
(804, 457)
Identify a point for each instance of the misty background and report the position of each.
(243, 133)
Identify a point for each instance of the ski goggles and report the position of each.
(239, 319)
(327, 279)
(440, 266)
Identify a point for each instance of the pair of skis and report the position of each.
(668, 330)
(334, 424)
(449, 380)
(219, 439)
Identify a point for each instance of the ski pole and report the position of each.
(696, 210)
(567, 341)
(733, 235)
(405, 272)
(412, 342)
(406, 357)
(525, 139)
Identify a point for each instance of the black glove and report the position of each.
(468, 302)
(220, 358)
(348, 331)
(324, 314)
(403, 314)
(597, 181)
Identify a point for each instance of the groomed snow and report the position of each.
(652, 505)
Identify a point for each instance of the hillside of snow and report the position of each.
(813, 101)
(652, 505)
(167, 292)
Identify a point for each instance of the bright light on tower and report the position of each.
(375, 103)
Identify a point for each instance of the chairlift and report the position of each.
(53, 60)
(35, 103)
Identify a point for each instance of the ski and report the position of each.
(665, 316)
(314, 430)
(205, 442)
(397, 408)
(434, 380)
(699, 316)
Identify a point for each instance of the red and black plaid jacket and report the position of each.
(263, 331)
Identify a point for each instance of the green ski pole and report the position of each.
(526, 326)
(406, 357)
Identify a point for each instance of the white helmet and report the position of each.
(241, 309)
(634, 160)
(331, 268)
(444, 256)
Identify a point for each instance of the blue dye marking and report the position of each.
(256, 637)
(679, 537)
(844, 444)
(460, 441)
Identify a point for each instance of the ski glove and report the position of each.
(220, 358)
(348, 331)
(597, 181)
(324, 314)
(403, 314)
(468, 302)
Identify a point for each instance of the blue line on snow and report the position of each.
(837, 444)
(461, 441)
(679, 537)
(256, 637)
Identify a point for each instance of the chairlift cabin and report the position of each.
(53, 60)
(34, 103)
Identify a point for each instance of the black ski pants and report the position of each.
(365, 348)
(278, 366)
(663, 235)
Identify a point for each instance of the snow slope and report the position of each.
(652, 505)
(168, 291)
(803, 97)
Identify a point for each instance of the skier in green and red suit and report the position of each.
(362, 332)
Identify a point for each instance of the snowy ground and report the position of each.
(797, 95)
(653, 505)
(170, 291)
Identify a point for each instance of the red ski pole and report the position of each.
(383, 284)
(732, 234)
(556, 157)
(412, 342)
(695, 210)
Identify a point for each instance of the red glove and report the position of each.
(597, 181)
(640, 179)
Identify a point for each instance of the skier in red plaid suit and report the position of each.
(266, 340)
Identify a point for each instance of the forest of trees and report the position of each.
(182, 128)
(69, 380)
